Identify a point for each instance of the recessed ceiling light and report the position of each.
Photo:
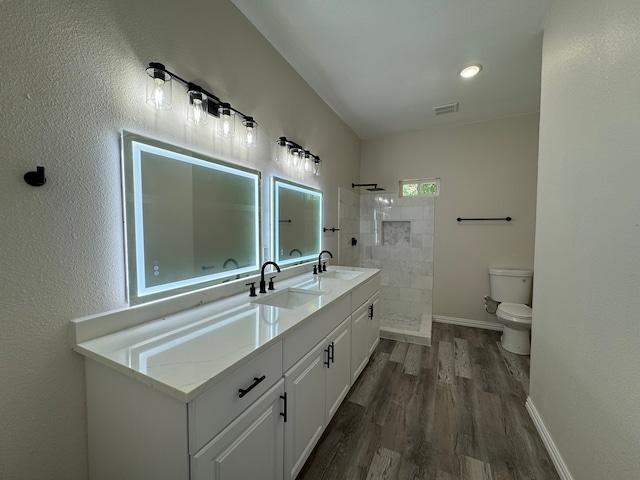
(470, 71)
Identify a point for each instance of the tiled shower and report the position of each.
(394, 234)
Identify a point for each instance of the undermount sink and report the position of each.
(341, 274)
(289, 298)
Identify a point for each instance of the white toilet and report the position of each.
(512, 288)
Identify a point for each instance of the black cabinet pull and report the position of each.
(333, 351)
(371, 311)
(256, 381)
(327, 362)
(284, 397)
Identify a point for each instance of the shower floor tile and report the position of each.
(406, 329)
(401, 322)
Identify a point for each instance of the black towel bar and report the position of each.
(506, 219)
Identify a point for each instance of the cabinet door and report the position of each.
(250, 447)
(359, 341)
(305, 387)
(374, 323)
(339, 369)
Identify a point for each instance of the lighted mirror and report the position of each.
(190, 220)
(296, 222)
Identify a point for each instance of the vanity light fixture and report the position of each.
(293, 154)
(197, 108)
(201, 104)
(250, 138)
(226, 121)
(282, 150)
(158, 86)
(470, 71)
(308, 164)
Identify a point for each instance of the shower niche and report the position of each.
(396, 233)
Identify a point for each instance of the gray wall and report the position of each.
(486, 169)
(585, 382)
(72, 78)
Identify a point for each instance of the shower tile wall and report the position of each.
(349, 224)
(396, 235)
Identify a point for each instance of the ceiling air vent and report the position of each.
(449, 108)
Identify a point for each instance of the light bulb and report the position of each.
(317, 171)
(197, 109)
(251, 132)
(158, 94)
(282, 153)
(226, 122)
(158, 87)
(295, 157)
(307, 162)
(470, 71)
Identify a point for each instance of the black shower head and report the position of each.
(374, 186)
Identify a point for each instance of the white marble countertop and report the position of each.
(186, 353)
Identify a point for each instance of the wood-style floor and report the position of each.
(454, 410)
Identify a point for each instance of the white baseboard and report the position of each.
(561, 467)
(466, 322)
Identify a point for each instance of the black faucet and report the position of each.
(323, 268)
(263, 284)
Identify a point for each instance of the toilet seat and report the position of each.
(515, 312)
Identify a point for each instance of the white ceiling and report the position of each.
(382, 65)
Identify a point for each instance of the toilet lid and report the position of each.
(516, 311)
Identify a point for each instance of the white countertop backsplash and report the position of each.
(185, 353)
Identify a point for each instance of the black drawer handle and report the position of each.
(284, 414)
(255, 383)
(371, 311)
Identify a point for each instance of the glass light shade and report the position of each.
(226, 121)
(158, 87)
(197, 108)
(294, 156)
(317, 167)
(308, 162)
(250, 137)
(282, 151)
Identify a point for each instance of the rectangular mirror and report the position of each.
(191, 220)
(296, 222)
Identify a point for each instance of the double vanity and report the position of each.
(238, 388)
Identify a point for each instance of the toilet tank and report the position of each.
(510, 285)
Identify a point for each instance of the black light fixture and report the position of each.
(292, 153)
(201, 104)
(197, 108)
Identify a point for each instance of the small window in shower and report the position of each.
(426, 187)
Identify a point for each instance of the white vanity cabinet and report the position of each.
(365, 324)
(339, 368)
(315, 387)
(359, 341)
(251, 447)
(162, 403)
(305, 384)
(136, 432)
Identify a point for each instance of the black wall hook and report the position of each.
(37, 178)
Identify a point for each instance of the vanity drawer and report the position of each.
(304, 338)
(362, 293)
(210, 412)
